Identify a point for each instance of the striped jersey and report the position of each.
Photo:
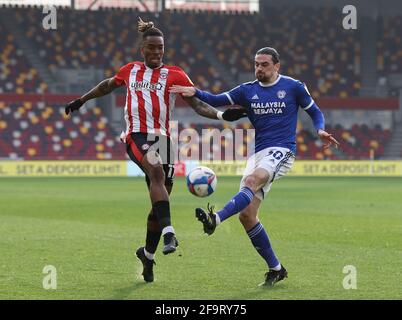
(149, 104)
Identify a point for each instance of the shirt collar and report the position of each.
(153, 68)
(270, 84)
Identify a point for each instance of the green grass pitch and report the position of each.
(89, 229)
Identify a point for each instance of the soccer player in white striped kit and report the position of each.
(147, 113)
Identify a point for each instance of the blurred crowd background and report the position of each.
(354, 75)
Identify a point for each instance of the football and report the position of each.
(201, 181)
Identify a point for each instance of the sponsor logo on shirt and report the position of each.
(139, 85)
(274, 107)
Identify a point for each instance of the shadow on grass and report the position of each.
(262, 293)
(123, 293)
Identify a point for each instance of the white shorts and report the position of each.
(277, 161)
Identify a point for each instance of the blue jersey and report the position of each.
(272, 109)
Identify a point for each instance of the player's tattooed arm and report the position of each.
(202, 108)
(206, 110)
(103, 88)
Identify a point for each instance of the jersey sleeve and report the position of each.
(303, 97)
(215, 100)
(235, 95)
(307, 103)
(123, 74)
(182, 79)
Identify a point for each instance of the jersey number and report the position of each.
(276, 154)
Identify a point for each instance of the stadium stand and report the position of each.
(34, 131)
(389, 49)
(356, 142)
(108, 41)
(39, 131)
(326, 57)
(16, 74)
(389, 52)
(320, 53)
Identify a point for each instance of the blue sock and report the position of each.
(260, 241)
(236, 204)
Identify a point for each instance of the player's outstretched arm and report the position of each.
(327, 139)
(205, 110)
(202, 108)
(184, 91)
(103, 88)
(203, 103)
(215, 100)
(319, 123)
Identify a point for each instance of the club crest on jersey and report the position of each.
(281, 94)
(163, 75)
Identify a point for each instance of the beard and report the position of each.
(262, 78)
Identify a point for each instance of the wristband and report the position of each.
(219, 115)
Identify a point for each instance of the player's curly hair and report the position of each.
(148, 29)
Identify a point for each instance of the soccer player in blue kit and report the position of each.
(271, 102)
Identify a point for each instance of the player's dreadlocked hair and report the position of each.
(269, 51)
(148, 29)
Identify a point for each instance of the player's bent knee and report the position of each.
(255, 182)
(250, 182)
